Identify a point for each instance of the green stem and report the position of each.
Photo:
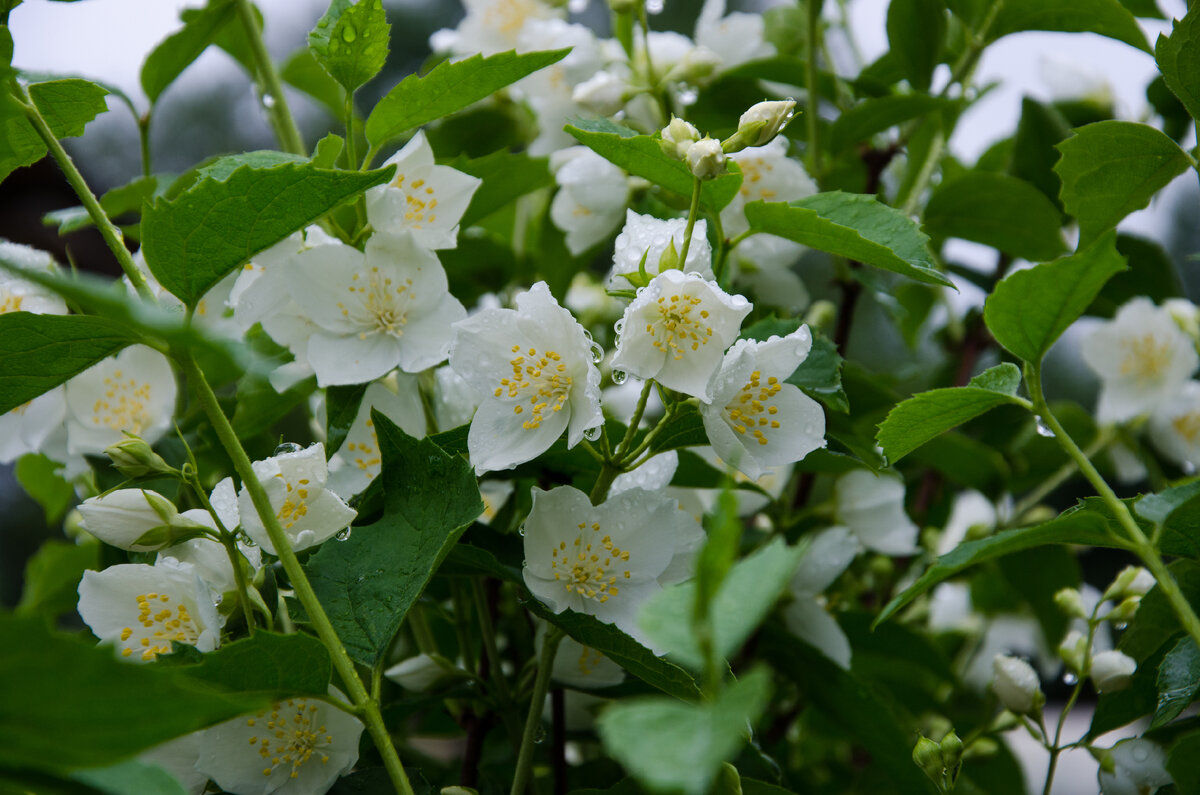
(1057, 748)
(693, 212)
(368, 709)
(490, 649)
(462, 623)
(961, 72)
(360, 205)
(143, 125)
(812, 155)
(1035, 497)
(108, 230)
(604, 481)
(933, 158)
(533, 720)
(285, 126)
(229, 541)
(644, 445)
(1141, 544)
(418, 625)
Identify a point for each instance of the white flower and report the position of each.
(768, 174)
(648, 237)
(970, 510)
(454, 400)
(605, 560)
(375, 310)
(423, 199)
(295, 747)
(676, 331)
(141, 609)
(133, 392)
(576, 665)
(1111, 670)
(295, 485)
(26, 428)
(1130, 581)
(827, 556)
(422, 673)
(1017, 685)
(755, 420)
(765, 120)
(591, 198)
(358, 461)
(490, 26)
(678, 136)
(736, 38)
(178, 757)
(532, 367)
(1143, 359)
(121, 517)
(550, 91)
(872, 506)
(763, 265)
(22, 295)
(1175, 427)
(603, 93)
(1139, 767)
(260, 290)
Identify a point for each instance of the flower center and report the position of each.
(680, 326)
(123, 405)
(752, 174)
(420, 201)
(589, 658)
(589, 569)
(158, 626)
(10, 301)
(540, 377)
(751, 410)
(295, 503)
(380, 307)
(1188, 426)
(290, 737)
(508, 16)
(1145, 357)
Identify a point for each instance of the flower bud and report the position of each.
(1186, 315)
(122, 517)
(1016, 685)
(952, 753)
(677, 137)
(1073, 650)
(602, 93)
(1123, 613)
(424, 672)
(1131, 581)
(705, 158)
(133, 458)
(760, 124)
(670, 258)
(821, 315)
(696, 64)
(1070, 601)
(1111, 670)
(928, 756)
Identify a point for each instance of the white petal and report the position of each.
(808, 620)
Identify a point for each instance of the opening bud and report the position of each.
(133, 458)
(1111, 670)
(1017, 685)
(1131, 581)
(677, 137)
(760, 124)
(706, 159)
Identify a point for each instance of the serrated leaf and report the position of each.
(1030, 309)
(302, 71)
(854, 226)
(1040, 129)
(1178, 681)
(368, 582)
(1004, 378)
(642, 156)
(1104, 17)
(915, 29)
(739, 605)
(223, 167)
(69, 104)
(877, 114)
(505, 176)
(52, 577)
(39, 352)
(928, 414)
(669, 746)
(351, 41)
(621, 649)
(1178, 58)
(191, 242)
(177, 51)
(1076, 526)
(449, 87)
(1111, 168)
(996, 210)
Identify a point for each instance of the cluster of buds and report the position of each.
(942, 762)
(706, 156)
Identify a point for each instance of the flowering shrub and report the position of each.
(398, 452)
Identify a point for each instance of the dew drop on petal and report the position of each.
(592, 434)
(1141, 754)
(597, 353)
(287, 447)
(619, 326)
(687, 95)
(619, 376)
(343, 534)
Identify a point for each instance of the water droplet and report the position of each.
(349, 34)
(597, 353)
(343, 534)
(654, 6)
(619, 377)
(268, 101)
(1120, 626)
(592, 434)
(577, 6)
(1043, 429)
(687, 95)
(1069, 679)
(539, 735)
(587, 335)
(244, 539)
(287, 447)
(619, 326)
(1141, 754)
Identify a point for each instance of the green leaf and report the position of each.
(1111, 168)
(222, 168)
(267, 665)
(685, 428)
(38, 475)
(996, 210)
(127, 778)
(851, 705)
(351, 41)
(449, 87)
(877, 114)
(1030, 309)
(1034, 155)
(621, 649)
(854, 226)
(669, 746)
(928, 414)
(1004, 378)
(118, 201)
(1178, 58)
(505, 176)
(302, 71)
(39, 352)
(1075, 526)
(1105, 17)
(820, 374)
(915, 29)
(176, 52)
(1178, 681)
(68, 105)
(52, 577)
(642, 156)
(368, 582)
(191, 242)
(1183, 762)
(92, 692)
(1151, 273)
(741, 603)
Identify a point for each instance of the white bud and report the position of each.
(121, 517)
(602, 93)
(1131, 581)
(1185, 314)
(677, 137)
(1017, 685)
(768, 119)
(1070, 601)
(1073, 650)
(1111, 670)
(706, 159)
